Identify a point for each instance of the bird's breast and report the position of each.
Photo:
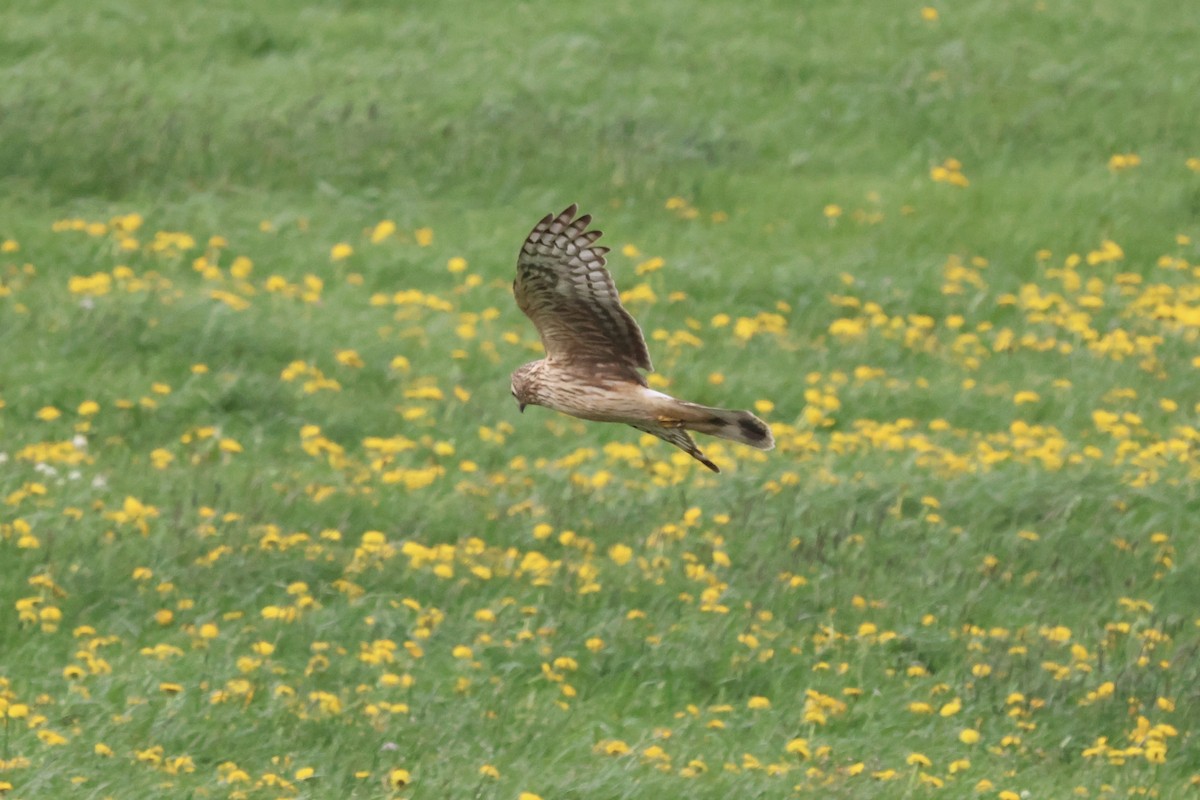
(597, 398)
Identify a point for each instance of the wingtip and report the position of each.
(698, 454)
(567, 215)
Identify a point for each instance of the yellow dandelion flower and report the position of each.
(349, 358)
(1119, 162)
(651, 265)
(241, 267)
(639, 293)
(340, 251)
(929, 14)
(382, 230)
(51, 738)
(612, 747)
(620, 554)
(949, 171)
(798, 747)
(1058, 633)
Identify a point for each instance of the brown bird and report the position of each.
(595, 349)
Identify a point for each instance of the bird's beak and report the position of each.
(521, 407)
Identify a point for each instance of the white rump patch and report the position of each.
(653, 395)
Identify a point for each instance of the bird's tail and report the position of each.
(738, 426)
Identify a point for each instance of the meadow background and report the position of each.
(272, 527)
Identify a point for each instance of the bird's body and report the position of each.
(580, 393)
(595, 349)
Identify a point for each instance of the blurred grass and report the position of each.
(380, 100)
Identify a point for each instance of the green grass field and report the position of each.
(271, 525)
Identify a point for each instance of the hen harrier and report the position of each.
(594, 348)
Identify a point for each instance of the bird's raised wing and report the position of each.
(563, 287)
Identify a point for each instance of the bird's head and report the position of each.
(525, 385)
